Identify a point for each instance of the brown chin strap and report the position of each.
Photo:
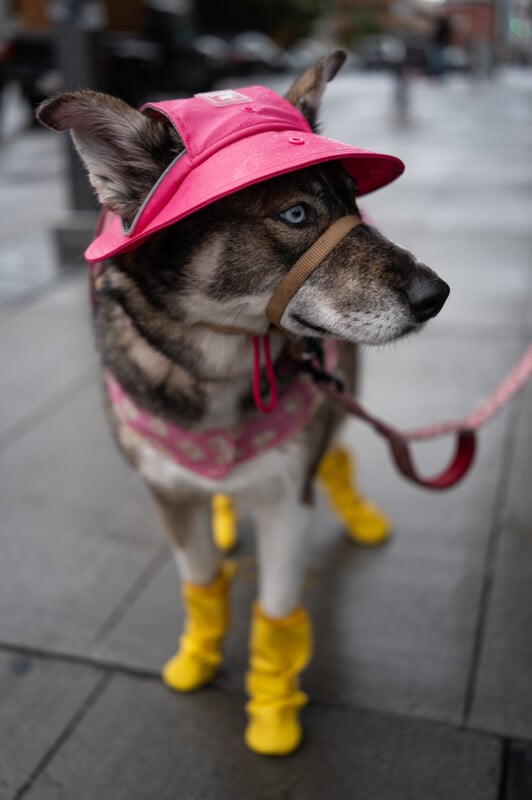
(306, 265)
(300, 272)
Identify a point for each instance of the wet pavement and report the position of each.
(421, 684)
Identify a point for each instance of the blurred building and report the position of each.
(119, 15)
(516, 26)
(487, 29)
(505, 25)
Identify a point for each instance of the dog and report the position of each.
(179, 300)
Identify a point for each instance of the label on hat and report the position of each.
(223, 97)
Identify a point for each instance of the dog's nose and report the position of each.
(426, 297)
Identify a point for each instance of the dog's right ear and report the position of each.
(124, 151)
(307, 90)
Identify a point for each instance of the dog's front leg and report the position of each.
(205, 590)
(282, 533)
(281, 635)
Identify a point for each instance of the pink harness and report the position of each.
(214, 453)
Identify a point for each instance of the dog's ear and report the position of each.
(124, 151)
(307, 90)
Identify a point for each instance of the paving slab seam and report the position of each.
(482, 733)
(65, 734)
(153, 676)
(51, 406)
(76, 659)
(505, 759)
(151, 570)
(518, 784)
(109, 672)
(492, 548)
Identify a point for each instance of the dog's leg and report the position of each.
(188, 524)
(281, 636)
(282, 534)
(205, 592)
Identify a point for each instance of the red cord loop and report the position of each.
(270, 374)
(464, 430)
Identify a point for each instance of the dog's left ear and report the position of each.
(307, 90)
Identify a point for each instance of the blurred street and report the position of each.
(421, 681)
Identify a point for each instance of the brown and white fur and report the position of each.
(221, 265)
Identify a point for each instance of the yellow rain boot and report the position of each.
(365, 523)
(207, 620)
(279, 650)
(224, 522)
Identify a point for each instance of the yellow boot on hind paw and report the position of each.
(224, 522)
(207, 620)
(365, 523)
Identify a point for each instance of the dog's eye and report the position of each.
(295, 215)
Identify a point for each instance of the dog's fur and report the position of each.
(221, 265)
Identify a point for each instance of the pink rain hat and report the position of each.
(234, 139)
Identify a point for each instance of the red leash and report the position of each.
(465, 429)
(270, 374)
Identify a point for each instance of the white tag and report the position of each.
(223, 97)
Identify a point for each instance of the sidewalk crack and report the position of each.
(490, 560)
(153, 567)
(65, 734)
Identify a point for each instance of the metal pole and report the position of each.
(77, 24)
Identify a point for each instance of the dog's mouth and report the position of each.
(397, 332)
(311, 326)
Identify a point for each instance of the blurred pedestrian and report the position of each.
(440, 40)
(397, 58)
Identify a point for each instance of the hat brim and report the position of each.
(244, 163)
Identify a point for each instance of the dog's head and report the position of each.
(222, 263)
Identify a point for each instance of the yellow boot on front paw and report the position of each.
(224, 522)
(207, 620)
(365, 523)
(279, 650)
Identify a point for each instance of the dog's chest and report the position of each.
(213, 453)
(163, 473)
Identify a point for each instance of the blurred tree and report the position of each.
(282, 19)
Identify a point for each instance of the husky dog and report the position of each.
(168, 371)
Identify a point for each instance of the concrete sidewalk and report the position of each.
(421, 683)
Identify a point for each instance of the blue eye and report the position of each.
(295, 215)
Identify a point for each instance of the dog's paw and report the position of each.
(186, 672)
(366, 524)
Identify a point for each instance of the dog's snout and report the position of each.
(426, 297)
